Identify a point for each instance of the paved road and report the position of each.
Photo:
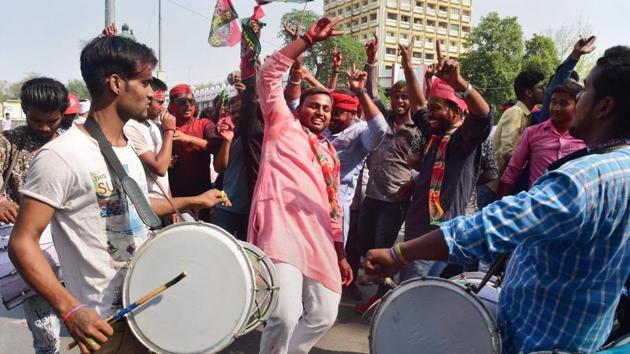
(348, 336)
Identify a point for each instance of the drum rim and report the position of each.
(228, 339)
(388, 298)
(273, 275)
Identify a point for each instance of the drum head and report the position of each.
(206, 309)
(433, 316)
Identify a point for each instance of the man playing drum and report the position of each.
(44, 101)
(568, 234)
(95, 227)
(295, 214)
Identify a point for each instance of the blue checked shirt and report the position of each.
(571, 255)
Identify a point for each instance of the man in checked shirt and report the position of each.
(568, 234)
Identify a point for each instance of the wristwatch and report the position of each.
(465, 93)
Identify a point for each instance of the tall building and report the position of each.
(396, 21)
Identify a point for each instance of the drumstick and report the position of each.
(153, 293)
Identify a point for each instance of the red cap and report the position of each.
(345, 102)
(180, 89)
(443, 90)
(73, 107)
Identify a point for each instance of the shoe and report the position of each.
(352, 292)
(366, 306)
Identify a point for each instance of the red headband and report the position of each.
(159, 95)
(345, 102)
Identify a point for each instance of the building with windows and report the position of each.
(396, 21)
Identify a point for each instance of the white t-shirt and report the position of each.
(147, 137)
(95, 230)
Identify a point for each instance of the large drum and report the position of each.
(433, 316)
(13, 289)
(621, 345)
(230, 289)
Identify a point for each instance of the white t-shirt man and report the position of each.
(145, 137)
(95, 228)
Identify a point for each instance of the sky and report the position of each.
(45, 37)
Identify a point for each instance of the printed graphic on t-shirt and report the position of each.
(123, 226)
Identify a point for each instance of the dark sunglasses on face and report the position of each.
(184, 101)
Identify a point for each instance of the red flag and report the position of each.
(224, 30)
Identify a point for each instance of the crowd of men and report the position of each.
(317, 175)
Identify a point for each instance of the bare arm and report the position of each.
(158, 163)
(293, 89)
(221, 159)
(84, 324)
(337, 59)
(208, 199)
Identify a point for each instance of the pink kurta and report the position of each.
(289, 218)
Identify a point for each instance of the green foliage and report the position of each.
(494, 58)
(318, 59)
(353, 53)
(383, 97)
(78, 87)
(541, 55)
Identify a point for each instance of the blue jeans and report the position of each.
(44, 324)
(417, 269)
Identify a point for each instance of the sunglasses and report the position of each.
(184, 101)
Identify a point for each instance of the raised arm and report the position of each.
(337, 59)
(416, 96)
(377, 126)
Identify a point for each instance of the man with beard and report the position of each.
(568, 234)
(193, 143)
(95, 226)
(44, 101)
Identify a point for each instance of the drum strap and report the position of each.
(129, 186)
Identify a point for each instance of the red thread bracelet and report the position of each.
(71, 312)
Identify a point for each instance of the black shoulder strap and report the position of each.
(129, 186)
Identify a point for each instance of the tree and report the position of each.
(564, 39)
(13, 91)
(318, 59)
(494, 58)
(541, 55)
(78, 87)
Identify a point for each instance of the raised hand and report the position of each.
(322, 30)
(356, 79)
(448, 70)
(371, 47)
(225, 128)
(168, 120)
(294, 33)
(430, 70)
(109, 31)
(583, 46)
(406, 52)
(337, 58)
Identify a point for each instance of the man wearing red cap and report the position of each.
(451, 143)
(193, 142)
(71, 115)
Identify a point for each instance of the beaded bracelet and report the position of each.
(295, 82)
(71, 312)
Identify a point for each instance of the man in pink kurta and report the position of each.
(294, 218)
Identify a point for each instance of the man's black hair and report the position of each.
(526, 80)
(613, 80)
(105, 56)
(158, 85)
(44, 94)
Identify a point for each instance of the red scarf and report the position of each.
(331, 176)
